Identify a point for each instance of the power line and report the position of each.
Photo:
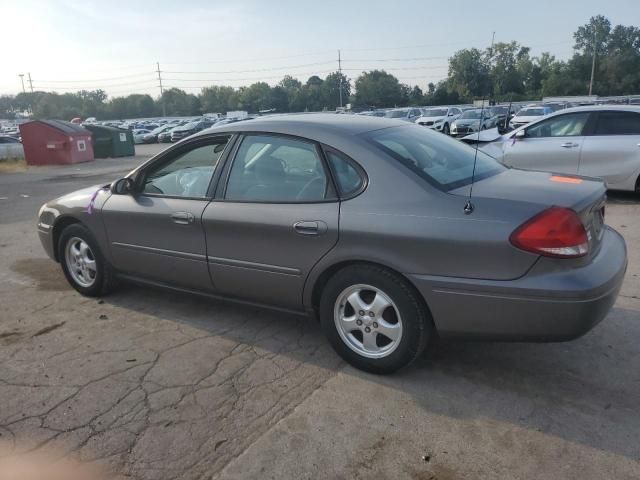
(98, 79)
(289, 67)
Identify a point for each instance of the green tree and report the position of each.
(331, 87)
(469, 74)
(378, 88)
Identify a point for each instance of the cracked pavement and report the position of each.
(155, 385)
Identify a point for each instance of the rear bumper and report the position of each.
(540, 306)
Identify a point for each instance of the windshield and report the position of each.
(471, 114)
(396, 114)
(439, 112)
(440, 160)
(531, 112)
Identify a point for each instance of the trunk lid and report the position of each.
(586, 196)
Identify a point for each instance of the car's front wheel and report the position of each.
(83, 263)
(374, 319)
(446, 129)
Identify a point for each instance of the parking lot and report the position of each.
(157, 385)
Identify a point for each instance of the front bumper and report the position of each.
(542, 305)
(45, 232)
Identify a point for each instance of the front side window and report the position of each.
(568, 125)
(618, 123)
(278, 170)
(186, 175)
(439, 159)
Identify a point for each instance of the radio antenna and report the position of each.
(468, 206)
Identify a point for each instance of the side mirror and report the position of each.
(123, 186)
(521, 133)
(450, 114)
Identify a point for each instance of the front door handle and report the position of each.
(307, 228)
(569, 145)
(182, 218)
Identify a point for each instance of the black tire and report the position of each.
(417, 324)
(104, 281)
(445, 129)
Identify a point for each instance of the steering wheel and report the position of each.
(308, 187)
(186, 180)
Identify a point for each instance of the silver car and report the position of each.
(365, 223)
(598, 141)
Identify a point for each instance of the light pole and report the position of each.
(21, 75)
(593, 61)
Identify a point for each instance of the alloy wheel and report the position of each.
(368, 321)
(81, 262)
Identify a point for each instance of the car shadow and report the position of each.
(623, 198)
(585, 391)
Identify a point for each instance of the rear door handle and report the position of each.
(307, 228)
(182, 218)
(569, 145)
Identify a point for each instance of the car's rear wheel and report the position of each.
(83, 263)
(446, 129)
(374, 318)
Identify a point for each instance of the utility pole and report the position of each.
(21, 75)
(493, 37)
(30, 82)
(593, 61)
(164, 107)
(340, 81)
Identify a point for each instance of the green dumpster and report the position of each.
(111, 141)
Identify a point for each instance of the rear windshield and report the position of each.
(531, 112)
(436, 113)
(396, 114)
(440, 160)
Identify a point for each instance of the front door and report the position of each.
(551, 145)
(278, 215)
(156, 233)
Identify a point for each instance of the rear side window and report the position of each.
(347, 177)
(278, 170)
(440, 160)
(618, 123)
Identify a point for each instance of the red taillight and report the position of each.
(555, 232)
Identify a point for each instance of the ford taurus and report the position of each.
(387, 232)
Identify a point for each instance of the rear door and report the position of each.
(550, 145)
(275, 215)
(156, 233)
(612, 150)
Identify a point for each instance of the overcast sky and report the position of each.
(68, 45)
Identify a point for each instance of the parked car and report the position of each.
(407, 114)
(10, 148)
(473, 120)
(189, 129)
(295, 212)
(165, 137)
(597, 141)
(528, 115)
(440, 118)
(152, 136)
(139, 134)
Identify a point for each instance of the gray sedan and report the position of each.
(365, 223)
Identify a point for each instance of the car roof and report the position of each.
(307, 123)
(596, 108)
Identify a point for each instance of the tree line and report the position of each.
(505, 71)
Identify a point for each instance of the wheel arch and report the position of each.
(59, 225)
(319, 282)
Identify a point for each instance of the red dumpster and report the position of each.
(55, 142)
